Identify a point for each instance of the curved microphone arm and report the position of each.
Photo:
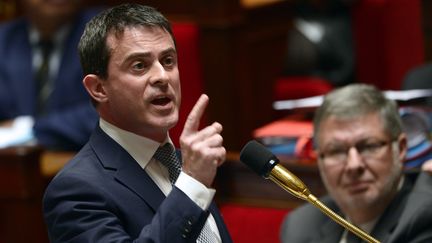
(262, 161)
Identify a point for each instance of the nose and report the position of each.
(158, 75)
(354, 161)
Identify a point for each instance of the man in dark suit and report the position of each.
(121, 187)
(361, 148)
(46, 38)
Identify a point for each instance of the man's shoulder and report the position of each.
(82, 164)
(9, 29)
(420, 195)
(297, 225)
(414, 222)
(307, 213)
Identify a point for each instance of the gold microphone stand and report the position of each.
(296, 187)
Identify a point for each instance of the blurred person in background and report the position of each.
(361, 148)
(41, 94)
(320, 43)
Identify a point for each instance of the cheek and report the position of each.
(330, 175)
(176, 87)
(387, 173)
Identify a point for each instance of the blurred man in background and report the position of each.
(41, 94)
(361, 148)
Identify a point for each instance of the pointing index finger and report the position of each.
(194, 117)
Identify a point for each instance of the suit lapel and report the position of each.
(390, 218)
(128, 172)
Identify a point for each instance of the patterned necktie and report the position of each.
(206, 235)
(42, 76)
(167, 156)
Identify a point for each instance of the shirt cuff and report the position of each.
(195, 190)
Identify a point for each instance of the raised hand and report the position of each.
(202, 150)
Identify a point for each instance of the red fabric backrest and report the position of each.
(297, 87)
(187, 39)
(388, 40)
(253, 224)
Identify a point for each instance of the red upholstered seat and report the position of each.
(187, 39)
(296, 87)
(253, 224)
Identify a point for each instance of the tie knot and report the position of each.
(46, 47)
(167, 156)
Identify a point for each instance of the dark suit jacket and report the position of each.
(70, 117)
(407, 219)
(103, 195)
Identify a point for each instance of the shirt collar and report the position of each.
(140, 148)
(58, 37)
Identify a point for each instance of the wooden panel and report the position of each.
(427, 28)
(21, 189)
(8, 9)
(242, 54)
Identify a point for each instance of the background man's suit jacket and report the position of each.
(71, 117)
(103, 195)
(407, 219)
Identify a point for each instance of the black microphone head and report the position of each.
(258, 158)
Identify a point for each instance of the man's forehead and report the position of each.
(351, 128)
(114, 36)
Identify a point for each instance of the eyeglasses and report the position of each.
(338, 154)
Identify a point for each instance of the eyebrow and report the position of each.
(148, 54)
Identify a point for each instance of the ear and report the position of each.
(403, 146)
(95, 88)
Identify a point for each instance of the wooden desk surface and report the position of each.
(52, 161)
(257, 3)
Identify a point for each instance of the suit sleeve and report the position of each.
(78, 211)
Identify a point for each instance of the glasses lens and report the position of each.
(366, 149)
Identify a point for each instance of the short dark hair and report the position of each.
(93, 50)
(359, 99)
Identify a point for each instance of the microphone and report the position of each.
(257, 157)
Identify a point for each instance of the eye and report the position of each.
(370, 147)
(336, 151)
(169, 61)
(138, 65)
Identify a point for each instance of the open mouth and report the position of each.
(161, 101)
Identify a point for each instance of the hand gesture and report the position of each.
(202, 150)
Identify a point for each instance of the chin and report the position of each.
(167, 123)
(363, 200)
